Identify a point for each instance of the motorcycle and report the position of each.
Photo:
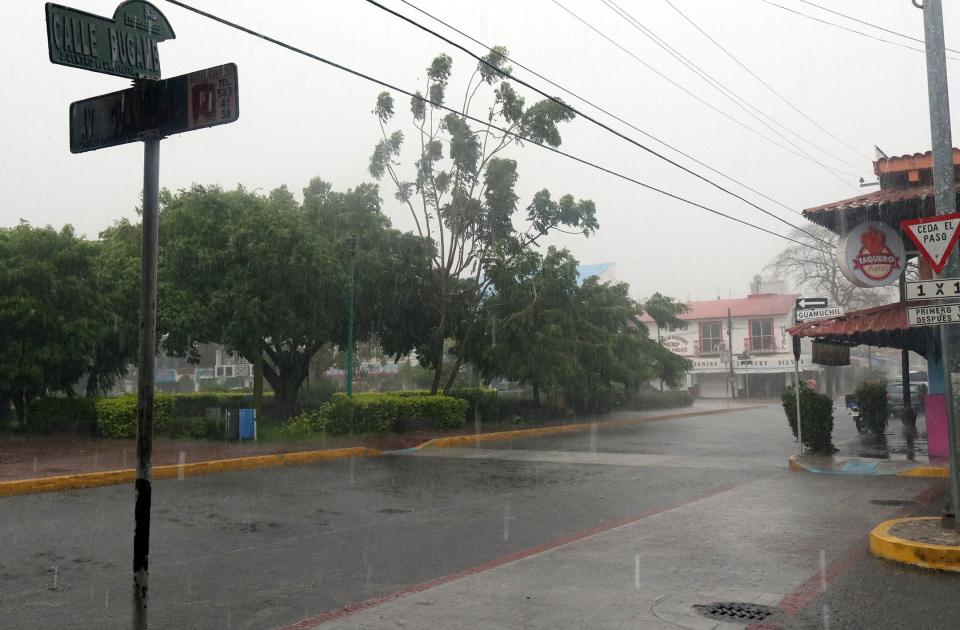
(854, 410)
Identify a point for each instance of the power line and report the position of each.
(764, 83)
(848, 29)
(870, 24)
(467, 116)
(732, 96)
(600, 108)
(677, 85)
(593, 120)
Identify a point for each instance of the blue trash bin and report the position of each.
(248, 424)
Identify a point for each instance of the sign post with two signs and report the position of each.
(126, 46)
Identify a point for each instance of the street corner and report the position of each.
(830, 465)
(919, 541)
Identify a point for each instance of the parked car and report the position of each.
(895, 396)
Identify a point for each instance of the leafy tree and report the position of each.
(585, 342)
(51, 314)
(117, 280)
(665, 312)
(268, 277)
(461, 192)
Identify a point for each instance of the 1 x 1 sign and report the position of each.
(933, 315)
(191, 101)
(808, 314)
(933, 289)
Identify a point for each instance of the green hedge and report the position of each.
(196, 404)
(117, 417)
(872, 402)
(197, 428)
(483, 402)
(816, 410)
(61, 415)
(304, 424)
(377, 413)
(660, 400)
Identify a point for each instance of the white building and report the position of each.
(761, 350)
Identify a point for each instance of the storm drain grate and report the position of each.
(892, 502)
(736, 611)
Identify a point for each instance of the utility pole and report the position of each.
(145, 376)
(945, 200)
(733, 378)
(352, 247)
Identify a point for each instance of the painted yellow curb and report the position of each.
(461, 440)
(928, 556)
(933, 472)
(113, 477)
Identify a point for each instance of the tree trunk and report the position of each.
(438, 364)
(285, 377)
(536, 394)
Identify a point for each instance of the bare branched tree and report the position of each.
(812, 267)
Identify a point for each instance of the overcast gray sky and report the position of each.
(300, 118)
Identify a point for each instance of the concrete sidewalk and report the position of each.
(649, 571)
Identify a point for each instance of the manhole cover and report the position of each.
(894, 502)
(394, 511)
(736, 612)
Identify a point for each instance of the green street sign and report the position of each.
(125, 46)
(191, 101)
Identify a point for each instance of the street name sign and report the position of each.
(934, 289)
(191, 101)
(935, 237)
(933, 315)
(809, 314)
(125, 46)
(815, 302)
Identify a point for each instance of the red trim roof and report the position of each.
(750, 306)
(877, 198)
(886, 318)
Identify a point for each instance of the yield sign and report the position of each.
(934, 236)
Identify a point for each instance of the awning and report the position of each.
(887, 206)
(882, 326)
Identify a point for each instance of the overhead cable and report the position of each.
(390, 86)
(591, 119)
(764, 83)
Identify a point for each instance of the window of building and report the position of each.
(761, 334)
(711, 337)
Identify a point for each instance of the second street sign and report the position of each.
(191, 101)
(933, 315)
(933, 289)
(125, 46)
(808, 314)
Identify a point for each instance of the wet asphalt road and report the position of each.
(259, 549)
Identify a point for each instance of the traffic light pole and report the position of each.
(945, 199)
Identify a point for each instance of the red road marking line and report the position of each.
(816, 584)
(350, 609)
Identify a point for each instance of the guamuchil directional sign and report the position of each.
(191, 101)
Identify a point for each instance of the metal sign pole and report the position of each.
(796, 389)
(944, 187)
(145, 376)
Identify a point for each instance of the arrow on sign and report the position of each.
(817, 302)
(934, 237)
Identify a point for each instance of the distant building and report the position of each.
(606, 272)
(750, 333)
